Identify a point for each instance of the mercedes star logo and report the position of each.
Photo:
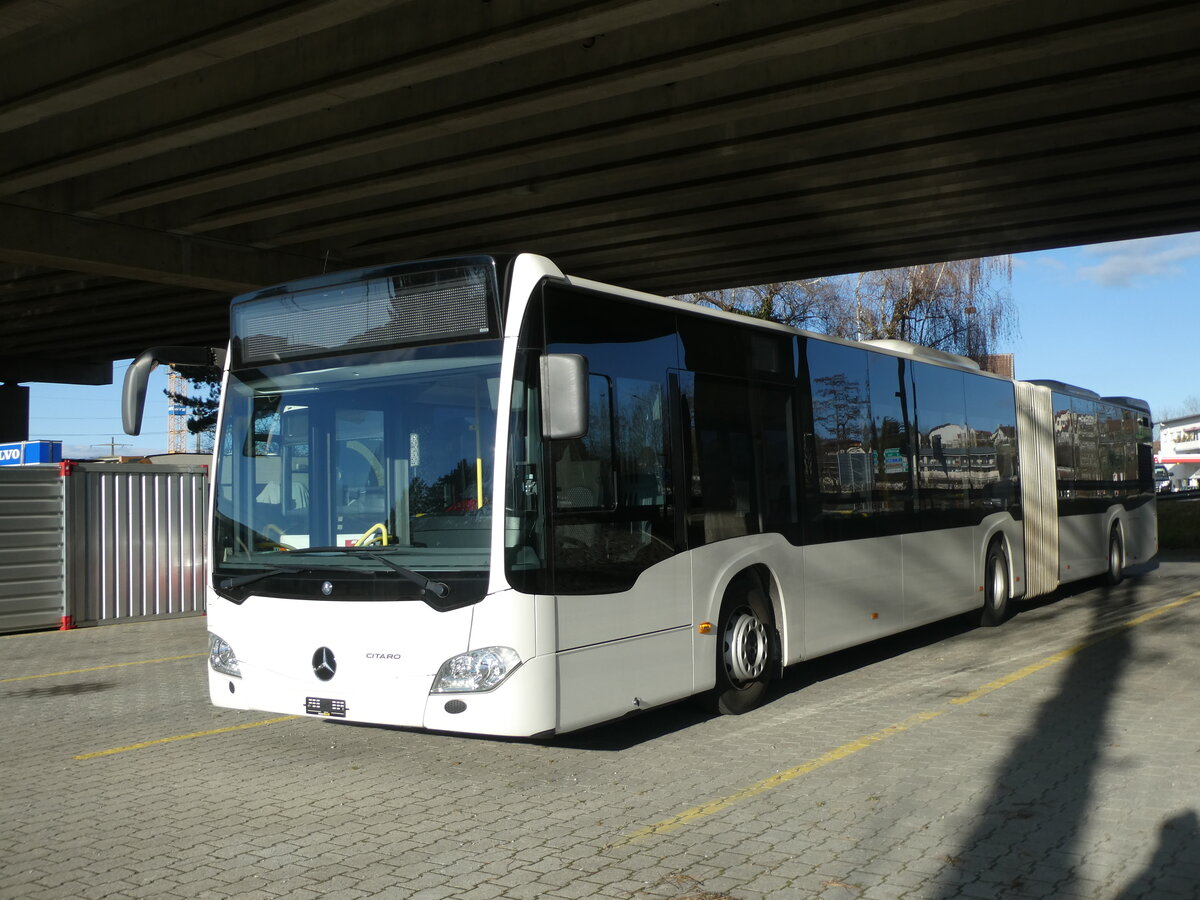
(324, 664)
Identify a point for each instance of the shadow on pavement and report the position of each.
(1026, 840)
(1174, 871)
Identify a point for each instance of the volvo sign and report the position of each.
(26, 453)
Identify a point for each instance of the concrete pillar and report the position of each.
(14, 412)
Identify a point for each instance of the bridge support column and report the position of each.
(14, 412)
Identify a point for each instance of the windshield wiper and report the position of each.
(438, 589)
(228, 584)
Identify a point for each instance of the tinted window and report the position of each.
(1064, 443)
(724, 348)
(617, 337)
(1087, 444)
(722, 494)
(943, 460)
(992, 430)
(1129, 430)
(889, 446)
(585, 468)
(1112, 462)
(611, 513)
(842, 464)
(741, 459)
(775, 429)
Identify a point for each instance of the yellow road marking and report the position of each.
(773, 781)
(1071, 651)
(137, 662)
(182, 737)
(849, 749)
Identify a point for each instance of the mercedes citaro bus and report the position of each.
(481, 495)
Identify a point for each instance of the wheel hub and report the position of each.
(745, 648)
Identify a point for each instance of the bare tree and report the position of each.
(964, 306)
(801, 304)
(1188, 406)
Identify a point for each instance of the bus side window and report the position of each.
(992, 428)
(583, 467)
(842, 464)
(724, 501)
(890, 445)
(943, 462)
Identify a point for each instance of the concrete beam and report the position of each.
(37, 237)
(30, 15)
(802, 34)
(599, 149)
(53, 370)
(14, 412)
(227, 33)
(361, 81)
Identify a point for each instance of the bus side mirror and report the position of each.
(133, 394)
(564, 396)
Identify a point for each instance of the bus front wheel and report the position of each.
(745, 650)
(995, 586)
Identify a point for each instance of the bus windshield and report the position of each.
(387, 452)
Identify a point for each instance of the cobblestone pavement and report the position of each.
(1057, 756)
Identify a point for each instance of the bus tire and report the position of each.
(995, 586)
(745, 647)
(1116, 558)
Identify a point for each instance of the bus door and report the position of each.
(623, 592)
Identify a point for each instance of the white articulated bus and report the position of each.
(479, 495)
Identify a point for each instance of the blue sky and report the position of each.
(1120, 319)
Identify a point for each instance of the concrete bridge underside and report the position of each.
(160, 155)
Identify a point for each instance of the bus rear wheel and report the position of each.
(995, 586)
(1116, 558)
(745, 652)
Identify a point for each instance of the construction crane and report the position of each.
(177, 433)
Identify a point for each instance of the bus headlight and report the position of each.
(479, 670)
(221, 656)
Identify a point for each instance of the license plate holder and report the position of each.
(325, 706)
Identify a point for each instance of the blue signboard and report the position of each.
(27, 453)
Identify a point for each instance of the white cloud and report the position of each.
(1125, 262)
(95, 451)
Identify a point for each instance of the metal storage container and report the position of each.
(93, 543)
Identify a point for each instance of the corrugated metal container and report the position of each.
(96, 543)
(135, 541)
(32, 578)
